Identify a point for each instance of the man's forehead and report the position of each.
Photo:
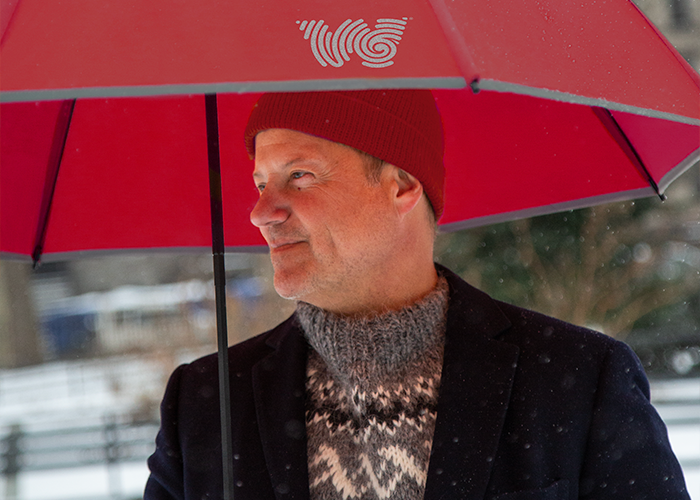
(283, 148)
(292, 143)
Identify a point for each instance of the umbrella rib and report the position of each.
(58, 146)
(455, 41)
(6, 21)
(609, 122)
(217, 247)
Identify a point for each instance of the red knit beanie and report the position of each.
(401, 127)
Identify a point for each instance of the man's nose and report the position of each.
(270, 209)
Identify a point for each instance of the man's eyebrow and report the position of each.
(290, 163)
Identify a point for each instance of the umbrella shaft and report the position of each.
(217, 241)
(224, 391)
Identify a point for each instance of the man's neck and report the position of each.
(390, 292)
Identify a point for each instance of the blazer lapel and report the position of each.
(477, 377)
(278, 386)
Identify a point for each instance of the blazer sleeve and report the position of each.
(166, 465)
(628, 453)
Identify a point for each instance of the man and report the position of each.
(394, 379)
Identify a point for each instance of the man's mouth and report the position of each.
(280, 245)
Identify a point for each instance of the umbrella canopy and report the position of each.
(103, 125)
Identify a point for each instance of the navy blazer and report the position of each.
(529, 408)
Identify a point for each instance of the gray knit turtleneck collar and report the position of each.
(357, 348)
(371, 399)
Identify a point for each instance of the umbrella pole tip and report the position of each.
(474, 85)
(36, 258)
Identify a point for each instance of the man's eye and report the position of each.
(260, 187)
(298, 175)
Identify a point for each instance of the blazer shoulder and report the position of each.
(517, 325)
(528, 323)
(544, 338)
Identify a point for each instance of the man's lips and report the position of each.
(278, 245)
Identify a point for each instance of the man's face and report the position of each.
(329, 228)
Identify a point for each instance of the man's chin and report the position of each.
(291, 287)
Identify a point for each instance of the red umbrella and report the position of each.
(581, 103)
(106, 134)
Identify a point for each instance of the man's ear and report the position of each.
(409, 191)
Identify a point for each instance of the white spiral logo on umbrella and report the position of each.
(376, 47)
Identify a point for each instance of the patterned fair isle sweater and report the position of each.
(372, 387)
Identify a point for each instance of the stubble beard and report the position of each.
(307, 279)
(292, 280)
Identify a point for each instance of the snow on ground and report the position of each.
(678, 403)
